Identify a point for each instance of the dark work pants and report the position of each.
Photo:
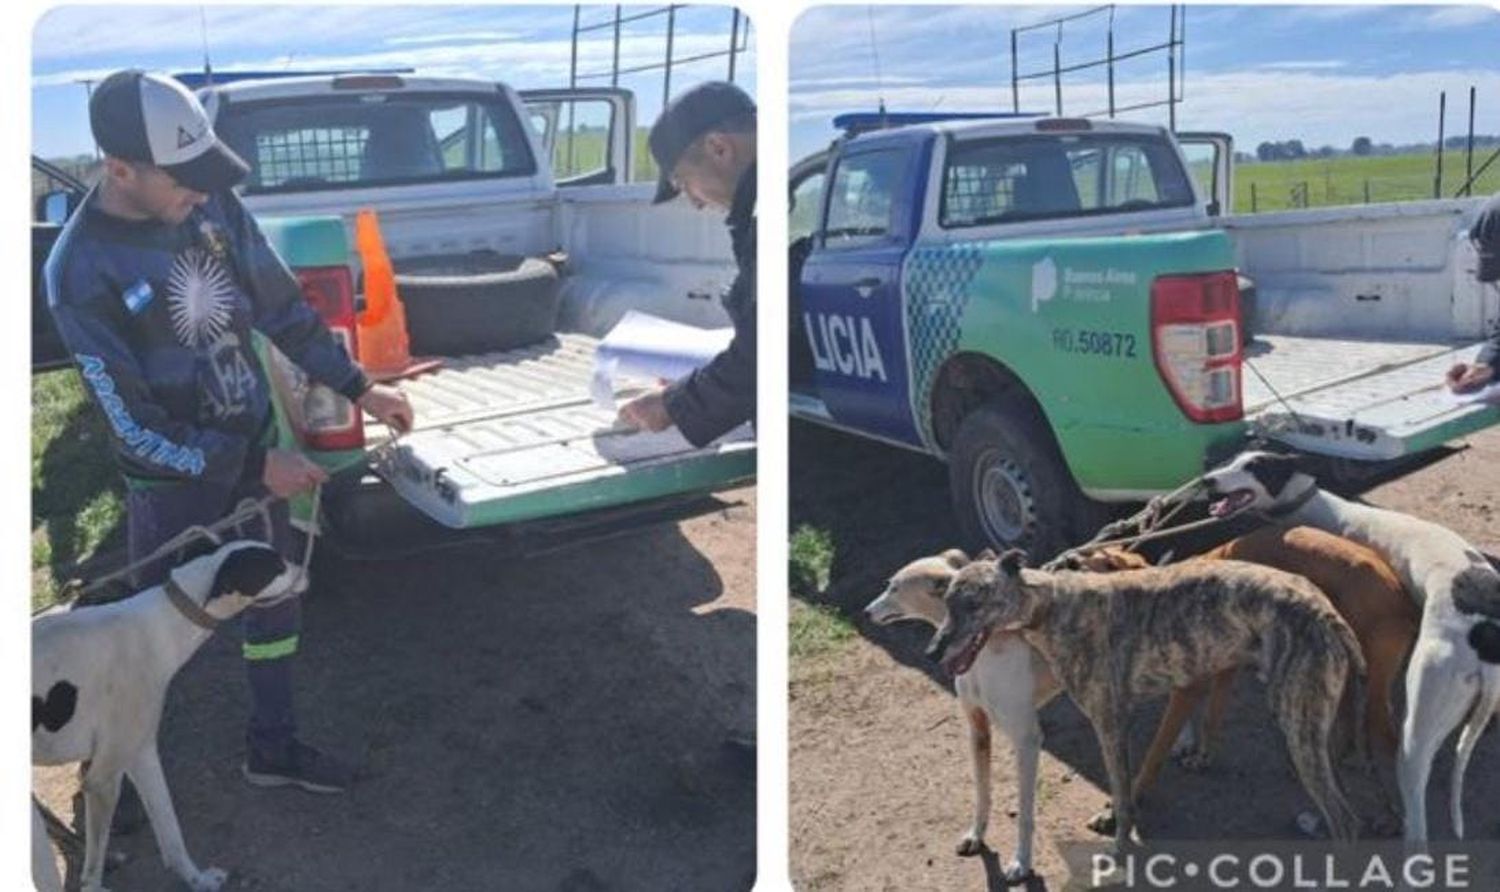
(157, 514)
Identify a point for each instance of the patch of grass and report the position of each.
(816, 630)
(77, 498)
(1345, 179)
(811, 559)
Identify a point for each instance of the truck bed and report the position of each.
(513, 435)
(1368, 400)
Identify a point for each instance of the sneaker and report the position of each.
(301, 766)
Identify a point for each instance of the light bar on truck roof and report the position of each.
(368, 82)
(195, 80)
(855, 123)
(1060, 125)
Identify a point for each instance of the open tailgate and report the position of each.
(1365, 400)
(512, 436)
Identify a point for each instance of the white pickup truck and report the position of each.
(460, 173)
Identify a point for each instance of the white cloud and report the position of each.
(859, 79)
(1304, 66)
(1316, 107)
(1444, 18)
(515, 61)
(455, 37)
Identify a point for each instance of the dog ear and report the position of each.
(1012, 561)
(955, 558)
(987, 555)
(247, 571)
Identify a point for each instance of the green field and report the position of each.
(1343, 180)
(77, 505)
(587, 154)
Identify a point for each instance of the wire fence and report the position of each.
(1173, 50)
(627, 24)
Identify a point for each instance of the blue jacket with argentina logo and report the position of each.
(158, 318)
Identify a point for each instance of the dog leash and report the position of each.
(77, 592)
(1148, 521)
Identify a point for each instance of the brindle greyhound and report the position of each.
(1111, 638)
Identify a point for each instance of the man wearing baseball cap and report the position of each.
(156, 284)
(704, 145)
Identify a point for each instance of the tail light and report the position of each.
(330, 421)
(1195, 341)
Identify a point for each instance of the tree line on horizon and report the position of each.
(1362, 146)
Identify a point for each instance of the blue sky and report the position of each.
(1322, 74)
(524, 46)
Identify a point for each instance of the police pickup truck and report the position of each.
(1061, 312)
(481, 192)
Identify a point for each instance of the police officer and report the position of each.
(156, 285)
(1468, 377)
(704, 146)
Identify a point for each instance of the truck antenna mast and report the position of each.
(875, 54)
(208, 70)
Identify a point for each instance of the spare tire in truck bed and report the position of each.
(479, 302)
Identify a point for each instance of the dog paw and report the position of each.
(971, 844)
(1017, 873)
(210, 880)
(1103, 823)
(1186, 742)
(1310, 825)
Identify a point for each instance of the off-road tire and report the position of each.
(1010, 486)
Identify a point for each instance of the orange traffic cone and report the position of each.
(384, 347)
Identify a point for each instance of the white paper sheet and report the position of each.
(646, 347)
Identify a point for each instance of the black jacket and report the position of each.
(721, 395)
(1486, 236)
(159, 317)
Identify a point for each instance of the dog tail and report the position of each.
(1484, 637)
(1479, 716)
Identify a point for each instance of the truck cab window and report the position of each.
(806, 206)
(362, 140)
(1012, 179)
(861, 201)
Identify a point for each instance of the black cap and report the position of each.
(155, 120)
(687, 117)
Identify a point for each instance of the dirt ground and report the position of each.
(881, 785)
(556, 722)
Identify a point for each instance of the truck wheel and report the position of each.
(1009, 484)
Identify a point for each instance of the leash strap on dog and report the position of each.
(1149, 523)
(1286, 404)
(247, 509)
(188, 607)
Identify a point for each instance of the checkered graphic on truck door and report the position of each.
(936, 288)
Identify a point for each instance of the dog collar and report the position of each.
(188, 607)
(1294, 505)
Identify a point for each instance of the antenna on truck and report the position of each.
(875, 53)
(208, 70)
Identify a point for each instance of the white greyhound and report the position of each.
(99, 679)
(1005, 686)
(1453, 672)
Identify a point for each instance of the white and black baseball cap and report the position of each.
(154, 119)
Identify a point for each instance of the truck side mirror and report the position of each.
(1213, 208)
(56, 207)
